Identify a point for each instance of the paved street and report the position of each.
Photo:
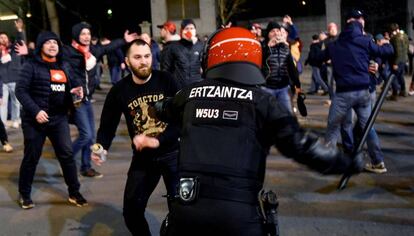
(309, 203)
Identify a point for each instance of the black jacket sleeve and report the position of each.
(110, 117)
(23, 90)
(167, 59)
(303, 147)
(101, 50)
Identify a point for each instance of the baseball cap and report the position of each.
(168, 25)
(379, 37)
(355, 14)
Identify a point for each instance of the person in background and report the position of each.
(10, 66)
(44, 90)
(155, 50)
(4, 139)
(399, 41)
(330, 80)
(182, 59)
(314, 51)
(83, 57)
(256, 29)
(350, 56)
(279, 67)
(115, 62)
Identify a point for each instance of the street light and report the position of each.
(109, 12)
(9, 17)
(28, 15)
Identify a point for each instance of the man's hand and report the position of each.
(19, 25)
(21, 49)
(142, 141)
(373, 68)
(272, 42)
(298, 90)
(130, 37)
(395, 67)
(42, 117)
(97, 159)
(78, 91)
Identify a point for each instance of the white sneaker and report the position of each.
(15, 125)
(378, 168)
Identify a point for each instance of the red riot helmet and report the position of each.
(233, 54)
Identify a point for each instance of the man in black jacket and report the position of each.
(82, 56)
(154, 143)
(279, 69)
(182, 59)
(228, 125)
(44, 90)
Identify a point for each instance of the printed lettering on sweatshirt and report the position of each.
(221, 92)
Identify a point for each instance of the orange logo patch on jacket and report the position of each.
(58, 76)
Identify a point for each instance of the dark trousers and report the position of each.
(215, 217)
(398, 84)
(57, 130)
(3, 133)
(141, 182)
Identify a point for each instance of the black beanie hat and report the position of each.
(272, 25)
(186, 22)
(45, 36)
(76, 30)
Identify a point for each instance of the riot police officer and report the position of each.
(228, 125)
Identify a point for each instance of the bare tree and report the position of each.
(229, 8)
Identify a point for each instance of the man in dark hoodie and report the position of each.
(44, 90)
(183, 57)
(350, 55)
(82, 56)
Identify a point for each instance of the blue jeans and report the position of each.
(282, 96)
(340, 110)
(373, 143)
(317, 80)
(9, 90)
(398, 84)
(84, 121)
(331, 81)
(115, 74)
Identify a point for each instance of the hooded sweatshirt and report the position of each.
(350, 55)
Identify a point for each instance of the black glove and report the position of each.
(357, 164)
(301, 104)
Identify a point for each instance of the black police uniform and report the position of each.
(227, 130)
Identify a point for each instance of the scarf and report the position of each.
(5, 55)
(89, 58)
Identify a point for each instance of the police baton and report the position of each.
(370, 122)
